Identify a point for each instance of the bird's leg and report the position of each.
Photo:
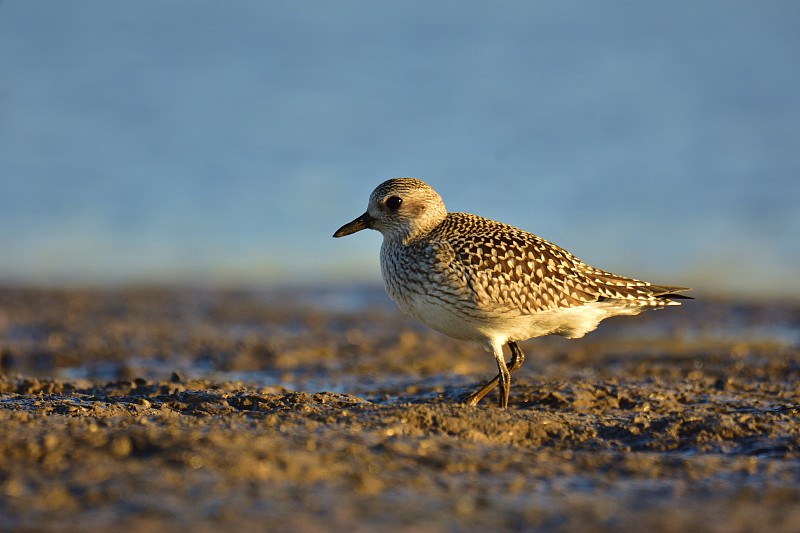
(478, 395)
(517, 358)
(505, 379)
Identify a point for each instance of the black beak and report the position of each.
(362, 222)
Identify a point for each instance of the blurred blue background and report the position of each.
(224, 142)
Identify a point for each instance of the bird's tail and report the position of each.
(635, 292)
(670, 291)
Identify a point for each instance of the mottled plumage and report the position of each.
(473, 278)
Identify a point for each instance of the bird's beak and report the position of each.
(362, 222)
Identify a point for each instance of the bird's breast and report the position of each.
(431, 290)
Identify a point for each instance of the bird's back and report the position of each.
(506, 269)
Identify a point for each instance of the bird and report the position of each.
(480, 280)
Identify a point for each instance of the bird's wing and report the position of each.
(510, 269)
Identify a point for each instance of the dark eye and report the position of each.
(394, 202)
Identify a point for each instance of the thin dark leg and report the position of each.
(505, 380)
(517, 358)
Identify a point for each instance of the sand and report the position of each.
(327, 410)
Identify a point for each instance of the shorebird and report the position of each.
(477, 279)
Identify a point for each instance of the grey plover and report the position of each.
(476, 279)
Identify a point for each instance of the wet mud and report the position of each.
(328, 411)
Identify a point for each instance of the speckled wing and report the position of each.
(507, 269)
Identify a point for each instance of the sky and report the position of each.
(222, 143)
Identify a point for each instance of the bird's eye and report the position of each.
(394, 202)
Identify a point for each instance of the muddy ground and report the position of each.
(326, 410)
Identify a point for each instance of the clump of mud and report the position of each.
(304, 411)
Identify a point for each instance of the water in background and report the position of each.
(224, 142)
